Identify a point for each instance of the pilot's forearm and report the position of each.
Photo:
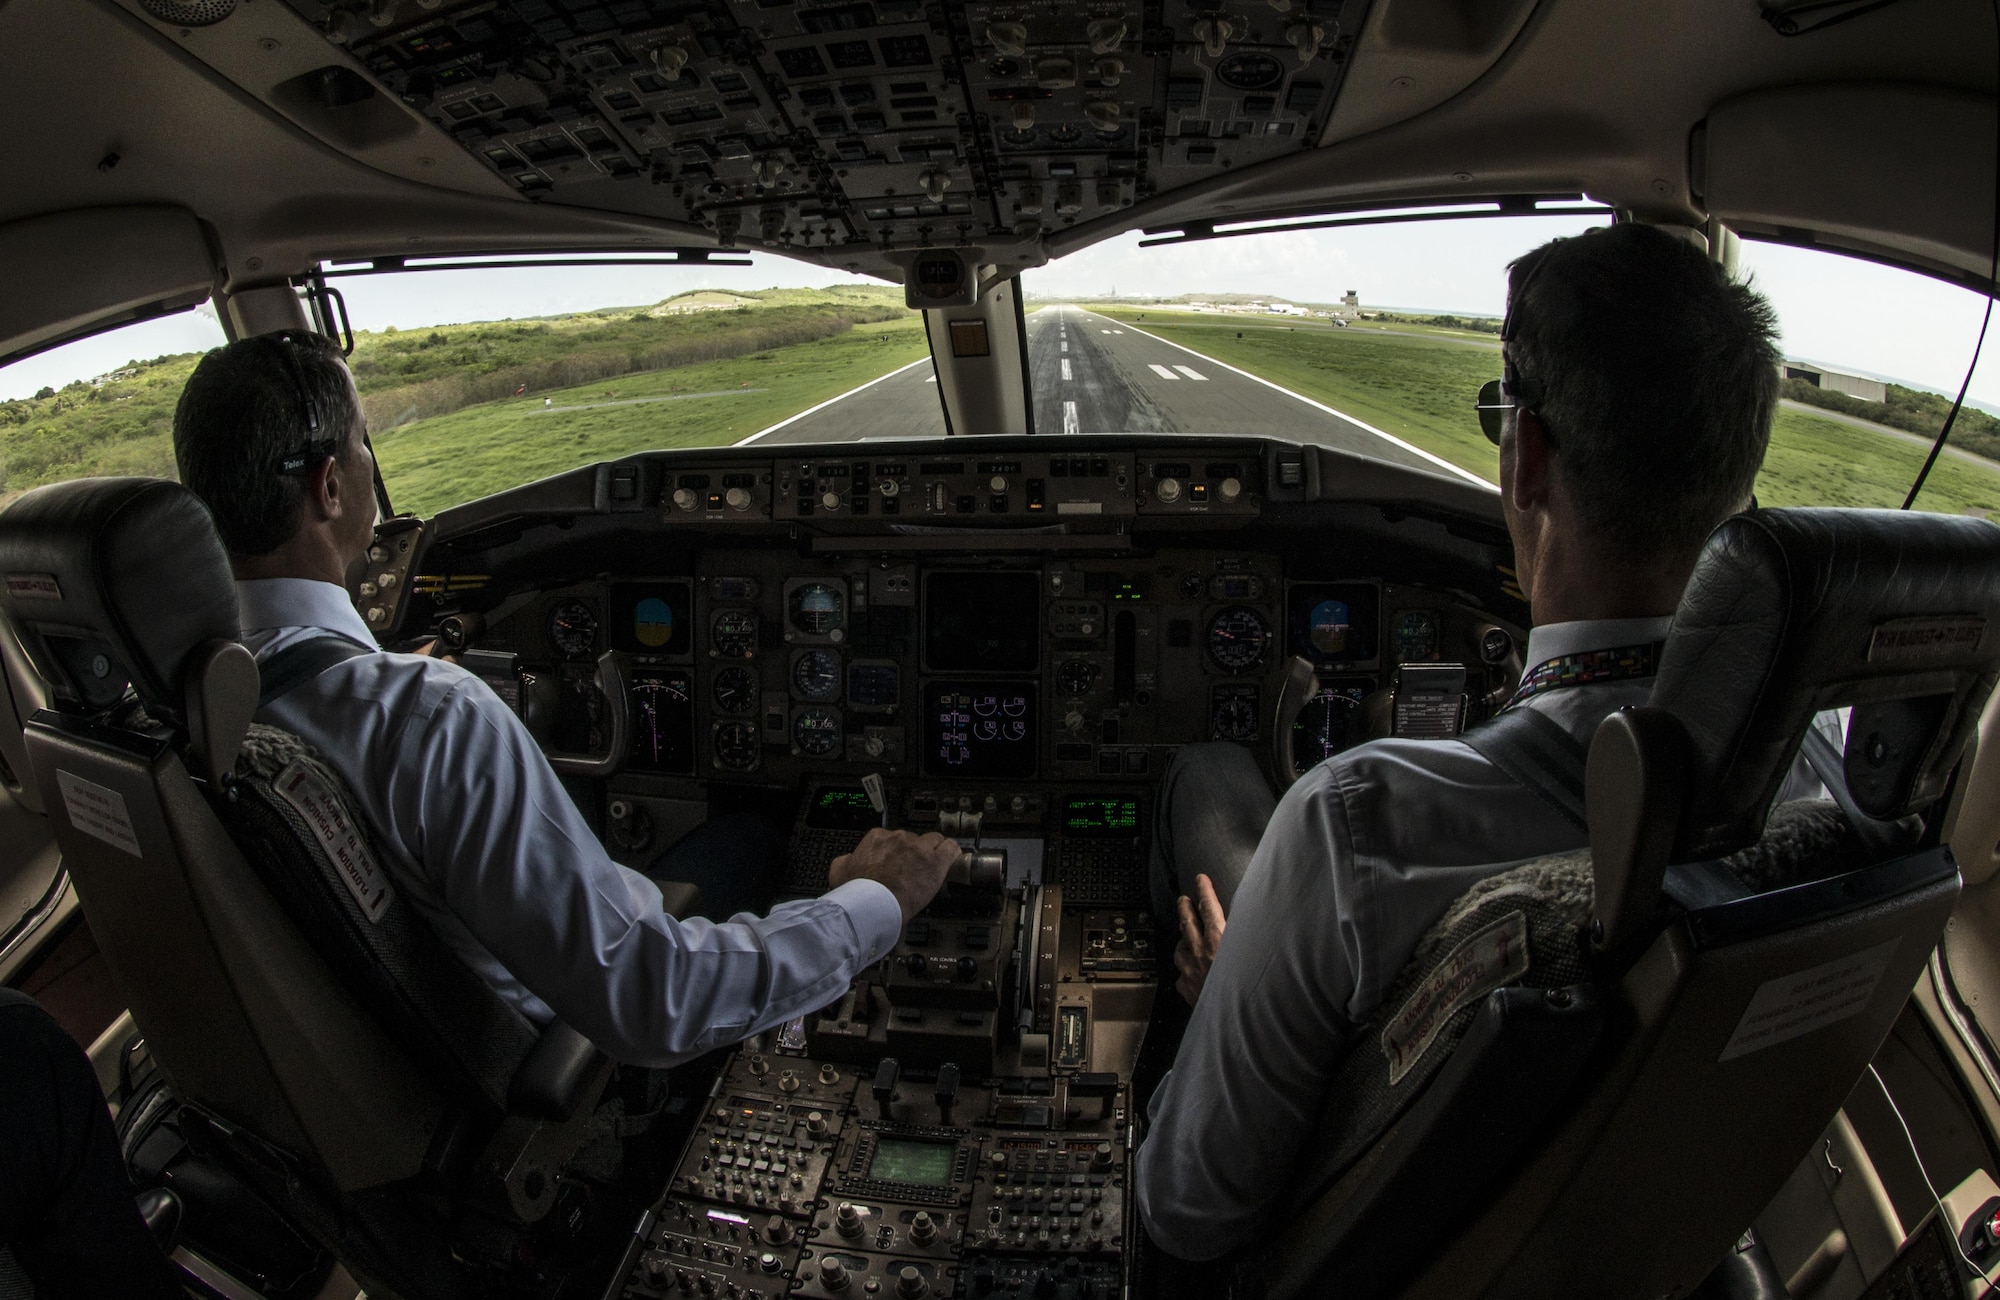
(671, 990)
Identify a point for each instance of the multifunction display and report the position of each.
(1335, 622)
(979, 729)
(652, 618)
(1100, 815)
(982, 622)
(662, 722)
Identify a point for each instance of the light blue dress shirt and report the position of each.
(1361, 857)
(483, 840)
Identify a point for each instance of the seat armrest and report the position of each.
(557, 1076)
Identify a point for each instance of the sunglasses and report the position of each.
(1499, 396)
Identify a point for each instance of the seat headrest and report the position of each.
(115, 580)
(1790, 612)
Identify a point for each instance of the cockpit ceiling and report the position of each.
(835, 123)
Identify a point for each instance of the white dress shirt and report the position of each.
(1361, 857)
(483, 840)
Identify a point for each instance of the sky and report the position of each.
(1837, 311)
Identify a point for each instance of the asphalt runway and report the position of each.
(1093, 374)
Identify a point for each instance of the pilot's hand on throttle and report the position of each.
(912, 866)
(1202, 924)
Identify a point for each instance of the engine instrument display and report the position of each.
(733, 634)
(1335, 622)
(982, 622)
(979, 729)
(816, 675)
(817, 609)
(662, 723)
(736, 746)
(816, 731)
(652, 618)
(734, 689)
(572, 629)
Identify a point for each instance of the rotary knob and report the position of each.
(1168, 490)
(759, 1066)
(1100, 1159)
(378, 554)
(685, 498)
(789, 1081)
(888, 487)
(828, 1075)
(833, 1274)
(847, 1220)
(923, 1228)
(911, 1283)
(769, 1262)
(376, 616)
(829, 500)
(777, 1231)
(815, 1123)
(737, 498)
(997, 483)
(1230, 488)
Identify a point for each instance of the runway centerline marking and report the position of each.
(1065, 367)
(1065, 347)
(1070, 425)
(1163, 372)
(1192, 373)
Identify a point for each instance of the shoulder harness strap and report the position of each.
(1538, 753)
(300, 662)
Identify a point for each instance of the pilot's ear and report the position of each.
(1524, 463)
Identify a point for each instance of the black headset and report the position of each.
(317, 449)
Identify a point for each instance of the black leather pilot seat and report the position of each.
(310, 1014)
(1600, 1067)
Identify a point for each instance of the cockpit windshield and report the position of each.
(1372, 339)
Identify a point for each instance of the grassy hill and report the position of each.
(124, 424)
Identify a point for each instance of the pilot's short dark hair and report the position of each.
(243, 414)
(1658, 380)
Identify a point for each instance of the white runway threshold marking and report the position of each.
(1192, 373)
(1163, 372)
(1414, 450)
(1070, 425)
(831, 400)
(1065, 367)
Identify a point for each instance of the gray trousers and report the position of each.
(1212, 808)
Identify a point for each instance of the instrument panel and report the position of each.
(760, 665)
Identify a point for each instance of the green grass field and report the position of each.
(1421, 388)
(430, 464)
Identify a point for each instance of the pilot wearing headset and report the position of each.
(1640, 387)
(479, 833)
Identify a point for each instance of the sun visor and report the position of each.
(1897, 172)
(69, 273)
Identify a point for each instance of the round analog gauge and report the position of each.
(735, 689)
(816, 675)
(736, 746)
(1416, 636)
(1075, 677)
(818, 608)
(573, 629)
(1237, 637)
(816, 731)
(733, 634)
(1233, 717)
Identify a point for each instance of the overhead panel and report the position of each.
(858, 124)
